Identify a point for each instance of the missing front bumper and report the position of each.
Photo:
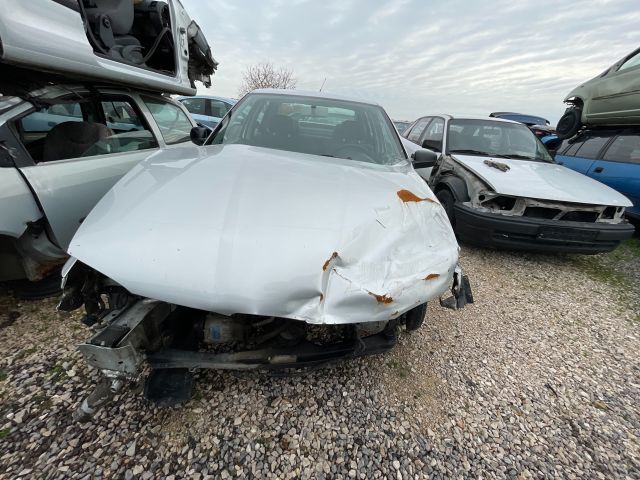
(493, 230)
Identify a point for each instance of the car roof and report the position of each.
(312, 94)
(470, 117)
(533, 119)
(210, 97)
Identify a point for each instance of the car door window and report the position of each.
(625, 148)
(634, 61)
(196, 106)
(45, 119)
(78, 130)
(121, 116)
(592, 146)
(435, 130)
(173, 123)
(217, 108)
(416, 131)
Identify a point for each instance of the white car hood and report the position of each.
(542, 180)
(240, 229)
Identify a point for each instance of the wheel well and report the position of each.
(455, 185)
(577, 102)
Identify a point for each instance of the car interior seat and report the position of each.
(280, 132)
(112, 21)
(350, 132)
(72, 139)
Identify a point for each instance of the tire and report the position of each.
(445, 197)
(569, 123)
(45, 288)
(415, 317)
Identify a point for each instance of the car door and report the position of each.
(617, 94)
(418, 128)
(582, 153)
(620, 168)
(69, 176)
(431, 138)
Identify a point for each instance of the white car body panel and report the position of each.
(18, 207)
(50, 37)
(542, 180)
(269, 232)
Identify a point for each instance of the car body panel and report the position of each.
(47, 36)
(18, 207)
(611, 98)
(60, 192)
(620, 174)
(263, 231)
(65, 199)
(541, 180)
(578, 164)
(624, 177)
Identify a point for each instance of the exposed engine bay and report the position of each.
(132, 333)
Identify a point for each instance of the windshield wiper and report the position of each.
(515, 156)
(470, 152)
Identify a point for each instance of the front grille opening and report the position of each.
(579, 216)
(502, 203)
(609, 212)
(541, 212)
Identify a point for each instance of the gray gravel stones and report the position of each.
(538, 379)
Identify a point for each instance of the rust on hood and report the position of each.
(386, 299)
(407, 196)
(432, 276)
(326, 264)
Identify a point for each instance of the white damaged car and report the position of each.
(299, 233)
(501, 188)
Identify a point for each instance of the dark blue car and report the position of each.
(610, 156)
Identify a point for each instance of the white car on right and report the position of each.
(501, 188)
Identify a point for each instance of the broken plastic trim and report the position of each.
(460, 290)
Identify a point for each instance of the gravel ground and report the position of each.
(539, 379)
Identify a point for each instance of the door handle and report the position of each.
(598, 169)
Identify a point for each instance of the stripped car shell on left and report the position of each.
(299, 234)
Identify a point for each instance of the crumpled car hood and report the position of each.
(541, 180)
(240, 229)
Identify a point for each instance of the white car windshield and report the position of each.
(494, 139)
(316, 126)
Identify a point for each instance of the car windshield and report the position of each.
(494, 139)
(316, 126)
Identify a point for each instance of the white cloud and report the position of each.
(418, 57)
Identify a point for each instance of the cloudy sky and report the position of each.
(416, 57)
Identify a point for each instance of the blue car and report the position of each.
(611, 156)
(207, 110)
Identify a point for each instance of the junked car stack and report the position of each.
(80, 107)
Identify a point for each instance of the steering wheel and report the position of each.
(352, 151)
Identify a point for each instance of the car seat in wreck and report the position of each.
(111, 22)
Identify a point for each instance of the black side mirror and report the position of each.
(424, 158)
(199, 135)
(435, 145)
